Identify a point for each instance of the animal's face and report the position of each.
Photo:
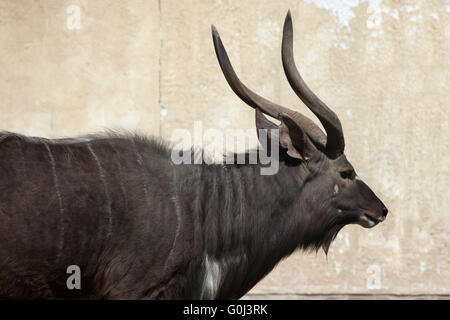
(341, 194)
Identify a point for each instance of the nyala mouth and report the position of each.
(368, 221)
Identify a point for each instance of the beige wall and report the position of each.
(150, 66)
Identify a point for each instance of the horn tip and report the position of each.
(288, 23)
(215, 36)
(288, 15)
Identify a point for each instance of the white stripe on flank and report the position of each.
(105, 186)
(122, 187)
(60, 201)
(140, 161)
(176, 203)
(174, 199)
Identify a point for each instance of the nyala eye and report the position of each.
(346, 174)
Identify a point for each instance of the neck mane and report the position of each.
(249, 222)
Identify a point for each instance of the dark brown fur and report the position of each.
(164, 219)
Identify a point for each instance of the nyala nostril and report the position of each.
(385, 211)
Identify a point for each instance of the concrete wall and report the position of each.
(78, 66)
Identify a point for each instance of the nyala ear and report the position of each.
(294, 139)
(266, 130)
(289, 135)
